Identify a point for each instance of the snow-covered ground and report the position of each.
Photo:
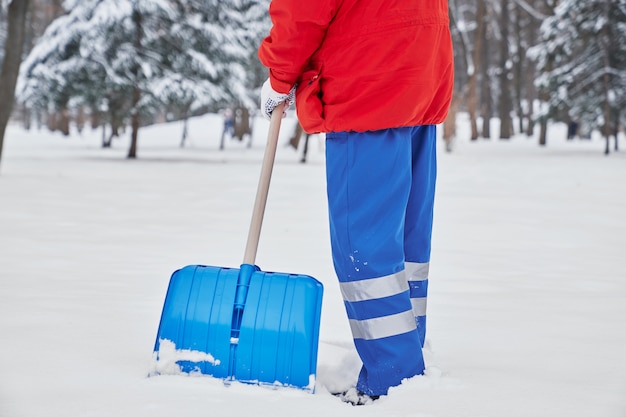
(527, 307)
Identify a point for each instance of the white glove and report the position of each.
(270, 99)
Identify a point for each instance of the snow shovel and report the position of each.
(243, 324)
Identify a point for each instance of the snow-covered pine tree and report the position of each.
(213, 40)
(583, 60)
(85, 57)
(142, 57)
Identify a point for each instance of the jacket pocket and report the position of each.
(309, 104)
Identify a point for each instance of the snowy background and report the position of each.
(527, 306)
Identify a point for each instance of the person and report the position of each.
(229, 125)
(376, 77)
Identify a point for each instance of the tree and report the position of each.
(584, 63)
(13, 48)
(486, 95)
(477, 67)
(527, 19)
(463, 20)
(3, 29)
(492, 70)
(142, 58)
(213, 67)
(505, 101)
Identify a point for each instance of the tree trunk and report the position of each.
(183, 139)
(132, 152)
(531, 95)
(547, 8)
(186, 112)
(461, 92)
(64, 121)
(472, 82)
(27, 118)
(94, 117)
(506, 124)
(13, 48)
(108, 142)
(616, 131)
(543, 134)
(606, 79)
(486, 108)
(449, 126)
(530, 77)
(606, 129)
(104, 135)
(520, 63)
(52, 121)
(80, 119)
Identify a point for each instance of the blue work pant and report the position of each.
(381, 187)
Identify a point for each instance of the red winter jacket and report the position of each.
(361, 64)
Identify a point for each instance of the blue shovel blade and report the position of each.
(274, 340)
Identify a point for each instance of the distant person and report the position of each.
(572, 130)
(229, 125)
(376, 76)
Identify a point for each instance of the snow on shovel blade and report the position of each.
(241, 324)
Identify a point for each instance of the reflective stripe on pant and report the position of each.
(380, 194)
(417, 276)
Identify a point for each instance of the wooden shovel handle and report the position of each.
(263, 187)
